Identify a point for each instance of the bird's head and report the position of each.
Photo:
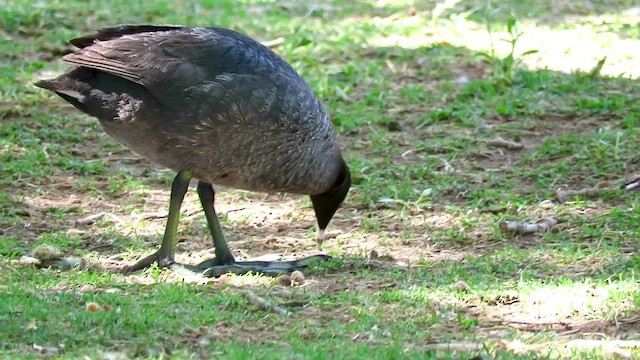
(325, 204)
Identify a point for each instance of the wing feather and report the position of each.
(97, 61)
(110, 33)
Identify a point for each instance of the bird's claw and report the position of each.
(157, 257)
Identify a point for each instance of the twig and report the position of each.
(100, 246)
(163, 214)
(562, 195)
(533, 323)
(597, 190)
(88, 220)
(273, 43)
(523, 228)
(153, 215)
(569, 332)
(404, 154)
(266, 305)
(632, 320)
(503, 143)
(236, 209)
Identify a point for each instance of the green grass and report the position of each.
(417, 104)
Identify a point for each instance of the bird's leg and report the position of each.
(223, 254)
(224, 261)
(164, 256)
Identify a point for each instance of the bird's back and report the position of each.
(207, 100)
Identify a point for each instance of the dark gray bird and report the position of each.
(214, 105)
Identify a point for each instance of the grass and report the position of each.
(417, 102)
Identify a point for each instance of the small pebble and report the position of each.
(86, 288)
(284, 280)
(204, 342)
(28, 261)
(297, 278)
(546, 204)
(92, 307)
(461, 286)
(462, 80)
(47, 252)
(68, 263)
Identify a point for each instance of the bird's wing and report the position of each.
(168, 60)
(144, 58)
(110, 33)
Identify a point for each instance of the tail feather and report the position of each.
(99, 94)
(47, 84)
(67, 88)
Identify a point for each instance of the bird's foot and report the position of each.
(213, 268)
(158, 257)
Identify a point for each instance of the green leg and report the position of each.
(179, 188)
(223, 254)
(165, 255)
(224, 261)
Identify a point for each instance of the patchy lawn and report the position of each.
(452, 138)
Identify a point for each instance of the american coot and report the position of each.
(214, 105)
